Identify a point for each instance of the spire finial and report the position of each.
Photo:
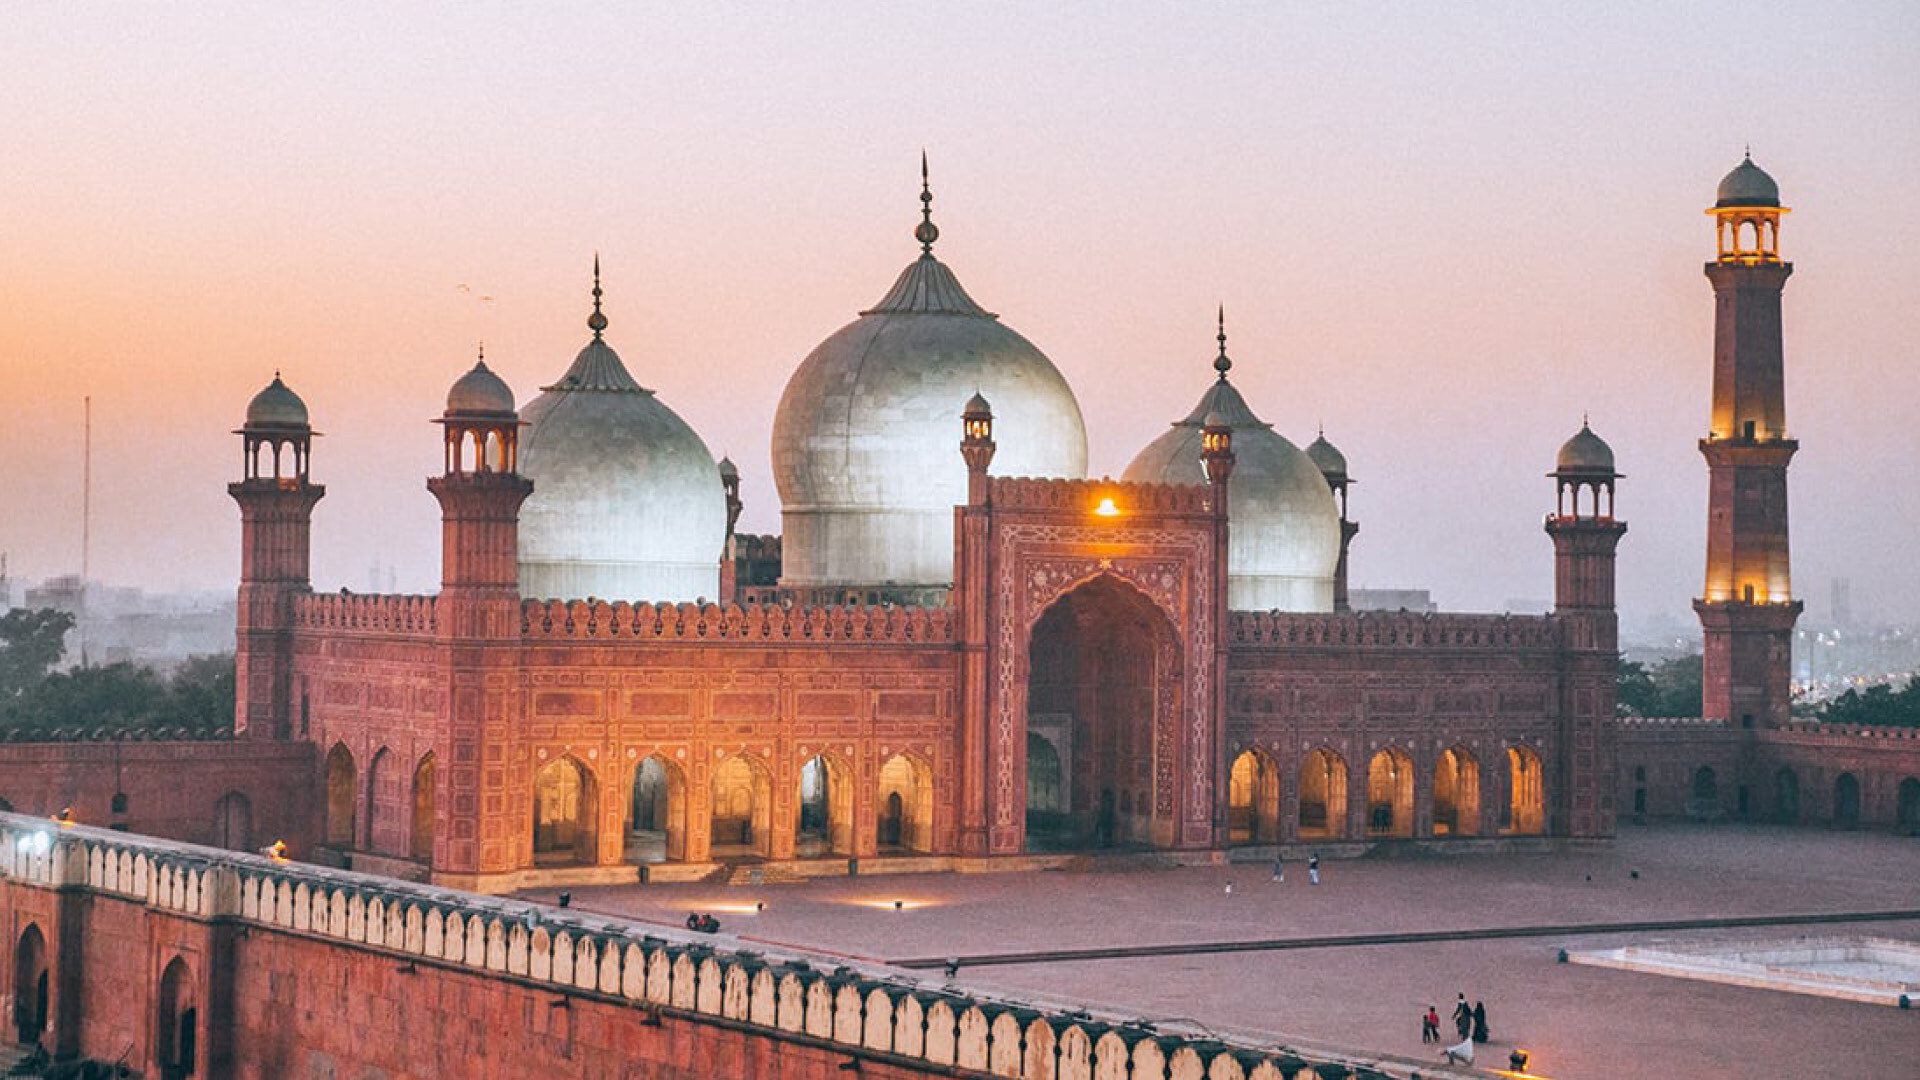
(596, 322)
(483, 354)
(1220, 363)
(1583, 419)
(926, 232)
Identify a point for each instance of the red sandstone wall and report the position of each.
(172, 788)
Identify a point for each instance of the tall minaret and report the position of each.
(1585, 535)
(276, 514)
(1748, 610)
(1333, 466)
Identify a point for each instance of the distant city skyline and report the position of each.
(1443, 236)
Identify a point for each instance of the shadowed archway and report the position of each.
(564, 800)
(1456, 794)
(1323, 796)
(1253, 799)
(657, 816)
(1104, 691)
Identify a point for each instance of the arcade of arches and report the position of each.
(1394, 801)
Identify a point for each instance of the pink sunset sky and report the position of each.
(1443, 231)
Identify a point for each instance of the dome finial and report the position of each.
(596, 322)
(926, 232)
(1221, 363)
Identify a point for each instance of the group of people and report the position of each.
(1469, 1021)
(1280, 868)
(705, 924)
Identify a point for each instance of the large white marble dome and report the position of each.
(1284, 540)
(866, 439)
(627, 502)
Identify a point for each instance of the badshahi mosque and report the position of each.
(961, 651)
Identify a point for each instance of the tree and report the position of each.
(1668, 688)
(1879, 704)
(31, 642)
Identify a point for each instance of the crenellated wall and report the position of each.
(410, 615)
(588, 620)
(296, 970)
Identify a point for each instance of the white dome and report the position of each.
(1284, 540)
(866, 442)
(627, 502)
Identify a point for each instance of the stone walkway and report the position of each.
(1580, 1023)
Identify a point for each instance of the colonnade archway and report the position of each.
(904, 820)
(1907, 809)
(1253, 799)
(1104, 666)
(825, 825)
(742, 819)
(1786, 796)
(564, 800)
(1526, 812)
(1323, 796)
(1846, 800)
(177, 1027)
(342, 798)
(1456, 794)
(1390, 793)
(657, 813)
(420, 835)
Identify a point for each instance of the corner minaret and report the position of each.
(1585, 535)
(480, 491)
(1748, 610)
(276, 524)
(1333, 465)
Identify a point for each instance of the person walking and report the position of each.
(1430, 1026)
(1480, 1021)
(1279, 867)
(1463, 1016)
(1313, 868)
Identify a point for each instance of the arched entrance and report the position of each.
(825, 822)
(564, 797)
(1104, 664)
(742, 819)
(233, 822)
(657, 816)
(1456, 794)
(386, 794)
(1786, 796)
(1253, 799)
(1046, 789)
(1908, 813)
(1846, 801)
(30, 985)
(1323, 796)
(906, 805)
(1526, 793)
(342, 797)
(1390, 793)
(420, 836)
(177, 1030)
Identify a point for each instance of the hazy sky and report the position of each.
(1444, 231)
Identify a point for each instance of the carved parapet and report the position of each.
(415, 615)
(598, 620)
(865, 1008)
(1393, 630)
(1024, 493)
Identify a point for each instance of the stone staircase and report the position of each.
(762, 874)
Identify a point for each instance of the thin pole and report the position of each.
(86, 519)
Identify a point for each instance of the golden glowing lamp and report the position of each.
(278, 850)
(65, 817)
(1106, 508)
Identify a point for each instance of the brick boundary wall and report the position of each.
(295, 971)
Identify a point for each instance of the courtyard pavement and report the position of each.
(1580, 1023)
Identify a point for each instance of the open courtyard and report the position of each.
(1347, 967)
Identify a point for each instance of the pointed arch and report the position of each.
(386, 793)
(1390, 793)
(1526, 793)
(1323, 795)
(177, 1027)
(343, 797)
(1456, 793)
(420, 835)
(565, 802)
(905, 819)
(1786, 797)
(1846, 800)
(1907, 806)
(742, 809)
(824, 824)
(31, 985)
(1253, 799)
(657, 812)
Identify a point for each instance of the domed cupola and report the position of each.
(863, 449)
(1747, 185)
(1584, 454)
(277, 406)
(1284, 541)
(627, 503)
(1328, 459)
